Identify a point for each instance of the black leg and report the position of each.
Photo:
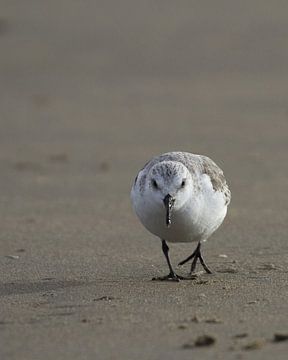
(195, 256)
(191, 256)
(165, 250)
(172, 276)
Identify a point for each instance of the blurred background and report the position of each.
(90, 90)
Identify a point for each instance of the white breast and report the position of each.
(201, 216)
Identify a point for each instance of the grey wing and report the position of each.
(208, 167)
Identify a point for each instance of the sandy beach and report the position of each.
(89, 91)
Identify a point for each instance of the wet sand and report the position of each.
(89, 91)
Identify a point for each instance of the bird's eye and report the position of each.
(183, 183)
(154, 183)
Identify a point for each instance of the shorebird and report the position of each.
(181, 197)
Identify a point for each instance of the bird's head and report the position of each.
(170, 185)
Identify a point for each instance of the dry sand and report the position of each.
(88, 92)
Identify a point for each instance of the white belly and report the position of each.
(196, 222)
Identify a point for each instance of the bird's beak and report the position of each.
(169, 203)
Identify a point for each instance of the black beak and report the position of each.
(169, 203)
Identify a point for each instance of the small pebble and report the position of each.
(278, 337)
(104, 298)
(205, 340)
(202, 282)
(252, 302)
(214, 321)
(49, 294)
(195, 319)
(201, 341)
(48, 278)
(240, 336)
(182, 326)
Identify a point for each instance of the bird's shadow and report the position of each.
(30, 287)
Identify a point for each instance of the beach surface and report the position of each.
(89, 92)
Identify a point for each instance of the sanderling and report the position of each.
(181, 197)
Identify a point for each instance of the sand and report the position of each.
(89, 91)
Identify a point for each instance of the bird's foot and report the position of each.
(174, 277)
(195, 256)
(193, 265)
(169, 277)
(206, 268)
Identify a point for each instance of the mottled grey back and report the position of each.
(195, 164)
